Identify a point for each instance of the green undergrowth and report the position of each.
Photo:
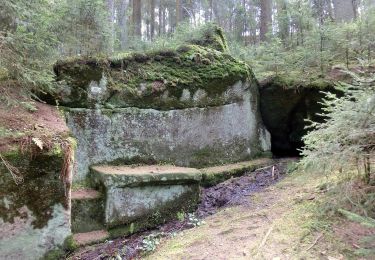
(296, 80)
(329, 203)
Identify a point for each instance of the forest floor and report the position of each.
(23, 118)
(265, 214)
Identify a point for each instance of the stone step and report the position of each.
(139, 197)
(87, 210)
(143, 175)
(214, 175)
(92, 237)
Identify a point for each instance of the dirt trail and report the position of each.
(278, 222)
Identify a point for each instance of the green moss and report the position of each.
(69, 244)
(154, 79)
(54, 255)
(40, 190)
(212, 36)
(211, 156)
(294, 81)
(87, 214)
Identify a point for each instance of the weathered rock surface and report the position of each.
(193, 106)
(87, 210)
(192, 137)
(34, 214)
(141, 197)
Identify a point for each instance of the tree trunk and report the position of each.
(183, 7)
(152, 22)
(137, 18)
(344, 10)
(111, 21)
(265, 18)
(178, 11)
(283, 20)
(124, 4)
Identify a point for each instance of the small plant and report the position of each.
(194, 220)
(181, 216)
(150, 242)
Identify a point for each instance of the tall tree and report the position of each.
(152, 19)
(183, 7)
(178, 10)
(265, 18)
(283, 19)
(137, 18)
(345, 10)
(122, 10)
(111, 22)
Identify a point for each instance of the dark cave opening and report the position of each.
(285, 110)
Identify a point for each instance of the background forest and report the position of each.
(282, 37)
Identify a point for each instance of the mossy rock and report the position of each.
(39, 191)
(196, 74)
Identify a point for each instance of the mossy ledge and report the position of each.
(191, 75)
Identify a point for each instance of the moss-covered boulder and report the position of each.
(192, 106)
(34, 202)
(193, 75)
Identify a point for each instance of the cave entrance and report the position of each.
(284, 112)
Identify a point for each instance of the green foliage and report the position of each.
(27, 43)
(207, 35)
(346, 137)
(366, 221)
(34, 33)
(313, 50)
(82, 27)
(181, 216)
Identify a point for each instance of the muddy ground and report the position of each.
(235, 191)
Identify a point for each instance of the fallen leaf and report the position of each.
(38, 142)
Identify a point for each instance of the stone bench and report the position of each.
(142, 197)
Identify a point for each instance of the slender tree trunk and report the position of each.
(211, 10)
(329, 9)
(124, 4)
(265, 18)
(152, 17)
(164, 19)
(160, 14)
(111, 22)
(178, 11)
(137, 18)
(367, 167)
(283, 20)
